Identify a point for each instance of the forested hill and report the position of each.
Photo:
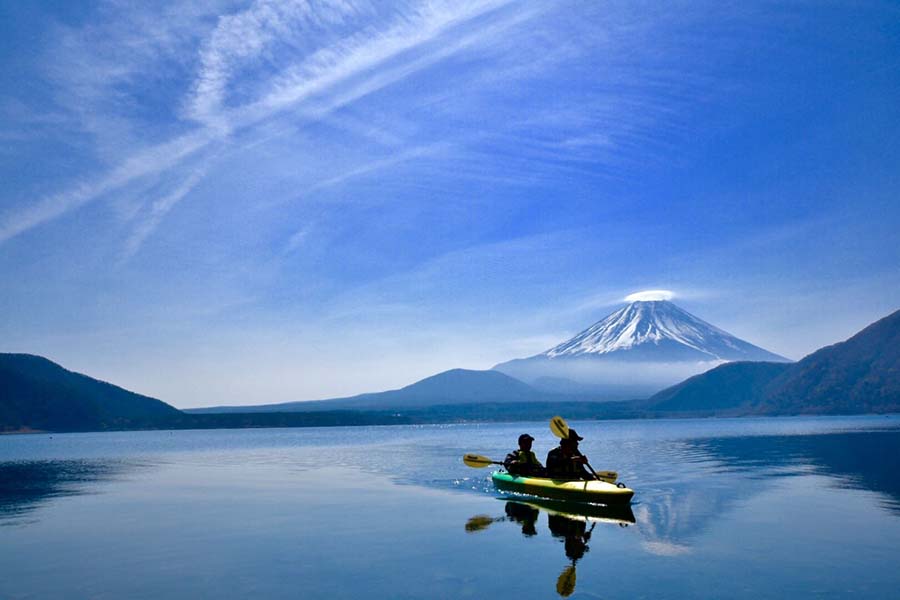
(40, 394)
(859, 375)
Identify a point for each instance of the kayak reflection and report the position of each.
(574, 524)
(571, 523)
(524, 515)
(579, 511)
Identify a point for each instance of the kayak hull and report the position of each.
(600, 492)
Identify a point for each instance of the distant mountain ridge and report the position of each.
(456, 386)
(859, 375)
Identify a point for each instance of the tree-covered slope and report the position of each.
(36, 393)
(729, 388)
(859, 375)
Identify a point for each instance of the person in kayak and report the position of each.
(566, 462)
(523, 461)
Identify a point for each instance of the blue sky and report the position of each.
(247, 202)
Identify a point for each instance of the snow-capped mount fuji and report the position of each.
(641, 347)
(659, 330)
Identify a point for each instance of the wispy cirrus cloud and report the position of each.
(247, 38)
(413, 153)
(328, 67)
(157, 210)
(313, 81)
(151, 161)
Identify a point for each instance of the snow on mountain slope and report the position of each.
(658, 328)
(637, 350)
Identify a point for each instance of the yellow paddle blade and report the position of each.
(607, 476)
(565, 585)
(559, 427)
(477, 461)
(478, 523)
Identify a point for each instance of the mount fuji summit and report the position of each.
(641, 348)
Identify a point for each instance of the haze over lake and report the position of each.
(754, 508)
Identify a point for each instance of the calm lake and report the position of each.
(724, 508)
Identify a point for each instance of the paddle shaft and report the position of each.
(588, 465)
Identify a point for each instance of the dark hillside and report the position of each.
(860, 375)
(729, 388)
(857, 376)
(36, 393)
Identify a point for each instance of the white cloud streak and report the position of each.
(329, 67)
(245, 37)
(378, 165)
(151, 161)
(157, 211)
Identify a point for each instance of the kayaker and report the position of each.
(523, 461)
(565, 461)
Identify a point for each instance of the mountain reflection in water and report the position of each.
(867, 460)
(740, 468)
(25, 485)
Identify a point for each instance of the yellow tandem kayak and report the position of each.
(600, 492)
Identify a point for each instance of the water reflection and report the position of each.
(25, 485)
(670, 519)
(570, 523)
(728, 471)
(526, 516)
(575, 536)
(867, 460)
(686, 486)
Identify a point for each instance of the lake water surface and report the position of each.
(724, 508)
